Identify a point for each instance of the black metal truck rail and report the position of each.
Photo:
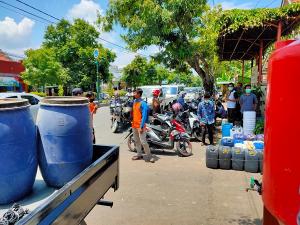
(72, 203)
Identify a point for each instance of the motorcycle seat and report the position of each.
(154, 127)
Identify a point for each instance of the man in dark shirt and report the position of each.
(248, 100)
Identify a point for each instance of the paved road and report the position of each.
(174, 190)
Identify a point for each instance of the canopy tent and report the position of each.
(243, 38)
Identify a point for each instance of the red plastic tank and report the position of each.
(281, 178)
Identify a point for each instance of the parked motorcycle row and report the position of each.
(165, 131)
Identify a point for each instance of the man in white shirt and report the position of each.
(231, 100)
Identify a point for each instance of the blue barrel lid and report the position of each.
(64, 100)
(11, 103)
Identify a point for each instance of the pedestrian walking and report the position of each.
(206, 113)
(231, 100)
(140, 116)
(156, 101)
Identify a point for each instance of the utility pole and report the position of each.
(96, 55)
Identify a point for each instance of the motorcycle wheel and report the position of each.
(114, 127)
(198, 134)
(184, 148)
(131, 144)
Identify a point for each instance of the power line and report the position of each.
(122, 47)
(51, 22)
(257, 3)
(41, 11)
(23, 14)
(26, 11)
(270, 4)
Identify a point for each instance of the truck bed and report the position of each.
(71, 203)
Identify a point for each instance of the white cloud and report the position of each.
(86, 9)
(232, 5)
(15, 37)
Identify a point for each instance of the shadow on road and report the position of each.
(246, 221)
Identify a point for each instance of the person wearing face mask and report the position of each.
(93, 109)
(231, 100)
(248, 100)
(206, 114)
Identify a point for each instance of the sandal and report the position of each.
(137, 157)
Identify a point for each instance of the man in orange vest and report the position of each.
(140, 116)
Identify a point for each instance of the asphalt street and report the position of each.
(173, 190)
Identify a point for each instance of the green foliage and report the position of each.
(140, 72)
(43, 69)
(233, 20)
(257, 91)
(73, 45)
(259, 127)
(134, 73)
(41, 94)
(60, 90)
(185, 31)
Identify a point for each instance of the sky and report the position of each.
(20, 31)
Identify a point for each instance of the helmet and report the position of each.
(176, 107)
(156, 92)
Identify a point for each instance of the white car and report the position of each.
(148, 96)
(32, 99)
(192, 93)
(171, 92)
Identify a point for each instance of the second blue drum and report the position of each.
(65, 138)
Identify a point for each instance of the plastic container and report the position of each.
(226, 129)
(65, 142)
(249, 121)
(227, 141)
(225, 157)
(260, 153)
(259, 145)
(212, 155)
(251, 161)
(18, 161)
(238, 158)
(281, 168)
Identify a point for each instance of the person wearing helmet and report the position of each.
(93, 109)
(155, 101)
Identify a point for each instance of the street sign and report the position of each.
(96, 53)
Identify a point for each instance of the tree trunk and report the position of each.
(208, 80)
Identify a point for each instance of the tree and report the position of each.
(73, 45)
(134, 73)
(186, 31)
(43, 69)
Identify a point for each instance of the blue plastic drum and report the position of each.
(18, 150)
(65, 138)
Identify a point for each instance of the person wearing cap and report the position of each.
(155, 101)
(140, 116)
(77, 92)
(206, 114)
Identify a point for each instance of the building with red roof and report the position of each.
(10, 74)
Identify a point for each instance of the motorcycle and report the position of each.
(191, 122)
(178, 139)
(121, 114)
